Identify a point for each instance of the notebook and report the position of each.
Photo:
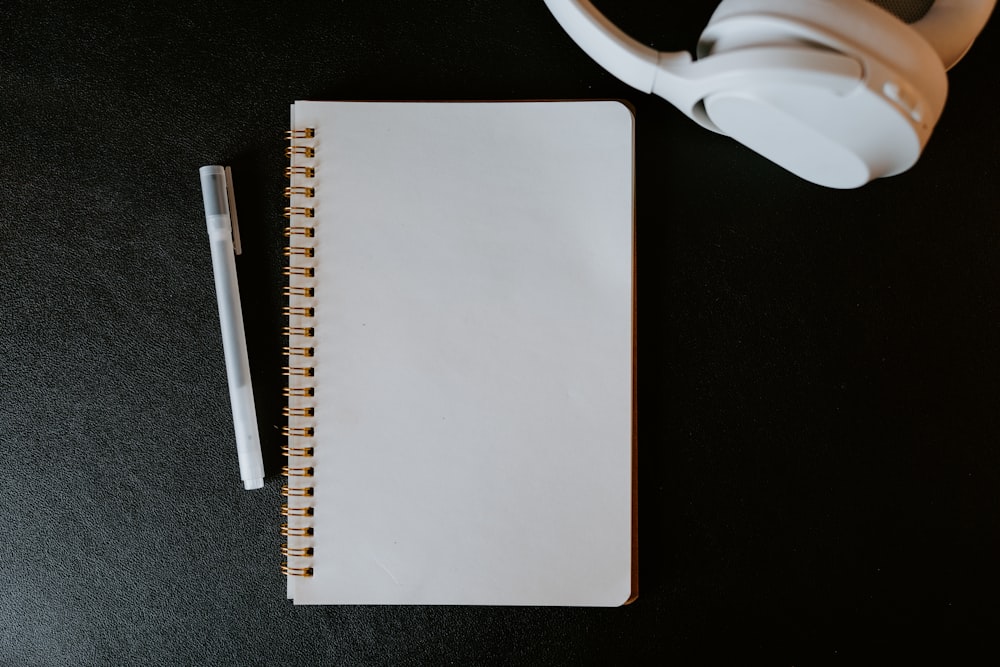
(460, 354)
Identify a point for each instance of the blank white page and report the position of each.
(473, 353)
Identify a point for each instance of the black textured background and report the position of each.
(818, 370)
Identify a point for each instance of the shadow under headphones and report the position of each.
(839, 92)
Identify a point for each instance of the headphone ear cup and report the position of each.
(855, 27)
(832, 138)
(823, 137)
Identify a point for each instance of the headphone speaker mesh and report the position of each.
(908, 11)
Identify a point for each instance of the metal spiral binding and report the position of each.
(300, 350)
(296, 451)
(308, 172)
(301, 551)
(296, 511)
(297, 571)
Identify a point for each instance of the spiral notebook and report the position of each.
(460, 354)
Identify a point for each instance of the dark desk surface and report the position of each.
(818, 370)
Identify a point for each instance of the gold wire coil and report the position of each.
(296, 511)
(296, 451)
(306, 151)
(299, 210)
(300, 431)
(296, 552)
(308, 332)
(308, 172)
(296, 531)
(302, 371)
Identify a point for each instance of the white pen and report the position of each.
(216, 187)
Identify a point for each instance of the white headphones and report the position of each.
(839, 92)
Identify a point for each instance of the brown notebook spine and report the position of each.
(300, 351)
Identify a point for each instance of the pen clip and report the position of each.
(237, 246)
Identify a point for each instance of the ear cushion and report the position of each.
(854, 27)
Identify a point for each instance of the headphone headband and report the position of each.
(950, 26)
(626, 58)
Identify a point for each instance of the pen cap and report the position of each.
(213, 190)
